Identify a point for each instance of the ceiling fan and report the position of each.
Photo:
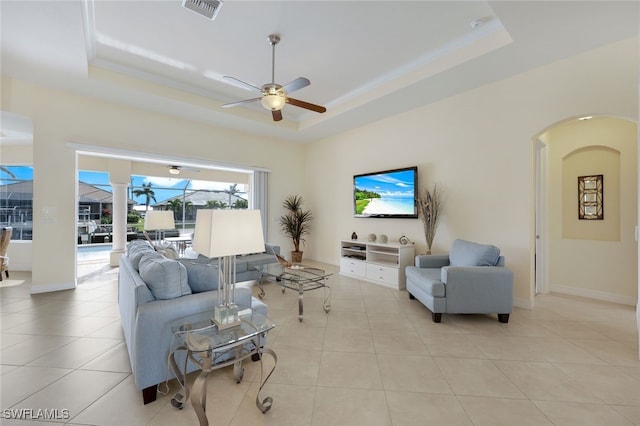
(175, 170)
(274, 96)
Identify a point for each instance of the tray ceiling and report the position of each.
(366, 60)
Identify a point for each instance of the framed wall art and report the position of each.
(591, 197)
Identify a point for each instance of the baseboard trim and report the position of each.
(48, 288)
(595, 294)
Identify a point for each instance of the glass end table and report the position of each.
(298, 278)
(211, 348)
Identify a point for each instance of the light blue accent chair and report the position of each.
(471, 279)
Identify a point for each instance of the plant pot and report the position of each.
(296, 256)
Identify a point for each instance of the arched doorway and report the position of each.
(597, 258)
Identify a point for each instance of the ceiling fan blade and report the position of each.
(306, 105)
(241, 83)
(296, 84)
(277, 115)
(246, 101)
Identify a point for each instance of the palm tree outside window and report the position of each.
(146, 192)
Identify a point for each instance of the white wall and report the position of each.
(593, 258)
(479, 145)
(61, 117)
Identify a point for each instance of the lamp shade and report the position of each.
(156, 220)
(221, 233)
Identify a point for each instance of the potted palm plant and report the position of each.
(295, 224)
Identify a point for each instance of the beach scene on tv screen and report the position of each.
(390, 193)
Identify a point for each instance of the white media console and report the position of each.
(379, 263)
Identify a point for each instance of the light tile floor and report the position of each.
(375, 359)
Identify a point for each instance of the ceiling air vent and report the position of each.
(207, 8)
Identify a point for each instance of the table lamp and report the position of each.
(225, 234)
(159, 220)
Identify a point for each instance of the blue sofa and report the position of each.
(154, 291)
(471, 279)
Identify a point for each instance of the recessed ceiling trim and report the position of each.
(490, 37)
(137, 73)
(15, 129)
(89, 26)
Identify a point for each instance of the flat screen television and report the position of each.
(386, 194)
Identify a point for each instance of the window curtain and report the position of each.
(259, 184)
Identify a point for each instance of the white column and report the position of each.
(119, 222)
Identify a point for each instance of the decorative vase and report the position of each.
(296, 256)
(354, 236)
(383, 238)
(372, 238)
(404, 240)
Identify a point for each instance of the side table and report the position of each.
(210, 348)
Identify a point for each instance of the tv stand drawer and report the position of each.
(382, 274)
(352, 266)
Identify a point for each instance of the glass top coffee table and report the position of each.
(210, 348)
(299, 278)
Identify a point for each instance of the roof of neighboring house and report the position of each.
(87, 193)
(92, 194)
(200, 198)
(17, 191)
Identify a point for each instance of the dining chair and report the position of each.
(5, 237)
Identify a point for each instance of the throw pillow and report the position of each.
(271, 248)
(190, 253)
(169, 252)
(467, 253)
(136, 253)
(134, 244)
(166, 278)
(201, 276)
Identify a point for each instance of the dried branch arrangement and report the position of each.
(431, 207)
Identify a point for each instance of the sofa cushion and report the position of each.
(427, 278)
(166, 278)
(259, 259)
(241, 262)
(201, 276)
(466, 253)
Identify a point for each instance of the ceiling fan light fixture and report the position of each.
(174, 170)
(273, 101)
(273, 96)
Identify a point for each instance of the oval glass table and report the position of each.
(299, 278)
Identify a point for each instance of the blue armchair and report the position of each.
(471, 279)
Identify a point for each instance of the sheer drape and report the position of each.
(259, 186)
